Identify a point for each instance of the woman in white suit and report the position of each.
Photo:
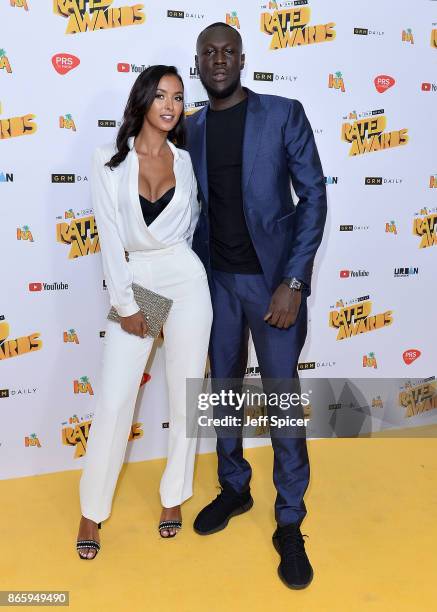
(145, 202)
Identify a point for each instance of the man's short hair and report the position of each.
(221, 24)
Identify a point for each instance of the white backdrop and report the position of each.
(51, 122)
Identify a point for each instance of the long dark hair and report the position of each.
(140, 100)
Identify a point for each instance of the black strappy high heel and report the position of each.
(80, 544)
(167, 525)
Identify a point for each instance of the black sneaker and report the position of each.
(215, 516)
(295, 570)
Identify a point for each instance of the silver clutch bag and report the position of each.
(154, 307)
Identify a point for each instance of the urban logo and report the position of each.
(82, 385)
(64, 62)
(71, 336)
(81, 234)
(17, 346)
(418, 398)
(383, 82)
(390, 228)
(67, 122)
(356, 319)
(6, 178)
(336, 81)
(407, 36)
(290, 28)
(353, 273)
(426, 228)
(331, 180)
(367, 135)
(92, 15)
(403, 272)
(4, 62)
(24, 233)
(194, 73)
(411, 355)
(32, 440)
(20, 4)
(369, 361)
(232, 19)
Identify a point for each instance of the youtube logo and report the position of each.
(64, 62)
(35, 286)
(383, 82)
(426, 86)
(411, 355)
(123, 67)
(344, 273)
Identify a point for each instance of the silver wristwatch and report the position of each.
(293, 283)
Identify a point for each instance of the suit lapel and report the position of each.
(255, 119)
(198, 151)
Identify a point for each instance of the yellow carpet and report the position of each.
(371, 521)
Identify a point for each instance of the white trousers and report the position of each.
(177, 273)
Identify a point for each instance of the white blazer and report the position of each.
(120, 220)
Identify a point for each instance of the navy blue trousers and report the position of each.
(240, 302)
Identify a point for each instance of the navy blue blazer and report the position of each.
(278, 145)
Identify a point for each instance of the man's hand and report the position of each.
(284, 307)
(135, 324)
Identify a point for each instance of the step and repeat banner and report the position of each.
(366, 75)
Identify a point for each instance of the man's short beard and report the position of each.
(224, 93)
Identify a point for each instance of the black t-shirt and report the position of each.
(231, 247)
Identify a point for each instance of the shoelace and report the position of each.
(293, 544)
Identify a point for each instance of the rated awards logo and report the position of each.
(67, 122)
(354, 319)
(80, 233)
(336, 81)
(418, 398)
(75, 433)
(426, 228)
(365, 133)
(17, 346)
(5, 64)
(289, 27)
(13, 127)
(92, 15)
(24, 4)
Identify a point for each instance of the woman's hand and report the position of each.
(135, 324)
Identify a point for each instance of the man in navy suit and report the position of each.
(258, 249)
